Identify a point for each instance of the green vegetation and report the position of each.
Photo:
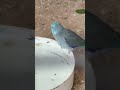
(80, 11)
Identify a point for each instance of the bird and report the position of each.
(69, 40)
(98, 35)
(66, 38)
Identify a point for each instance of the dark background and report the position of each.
(19, 13)
(17, 75)
(101, 34)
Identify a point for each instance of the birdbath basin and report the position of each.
(15, 48)
(54, 67)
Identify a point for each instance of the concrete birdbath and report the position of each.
(54, 67)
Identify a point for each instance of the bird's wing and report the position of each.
(72, 39)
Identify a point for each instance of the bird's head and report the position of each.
(56, 27)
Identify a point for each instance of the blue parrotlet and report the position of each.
(66, 38)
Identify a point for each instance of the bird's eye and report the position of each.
(53, 26)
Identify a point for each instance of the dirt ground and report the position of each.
(63, 11)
